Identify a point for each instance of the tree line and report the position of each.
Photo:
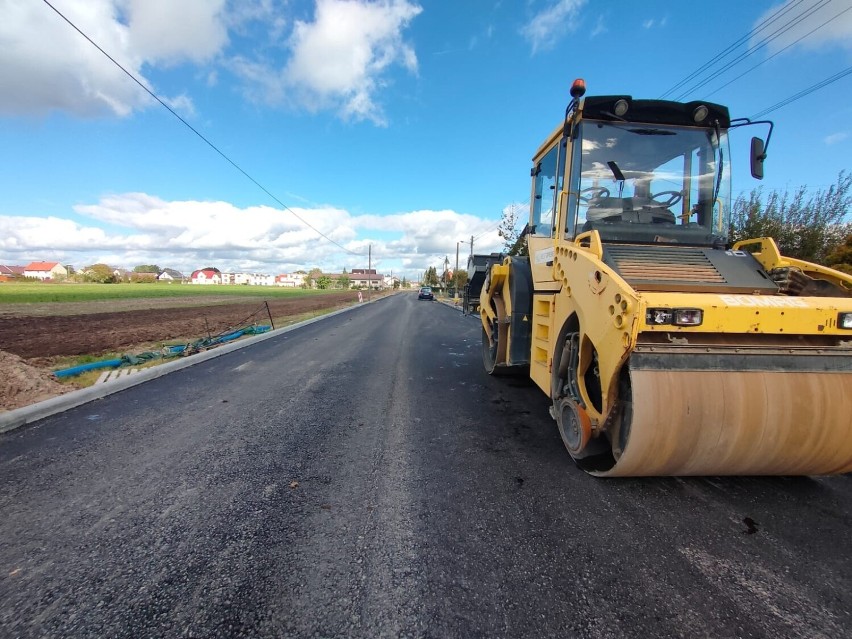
(446, 279)
(815, 228)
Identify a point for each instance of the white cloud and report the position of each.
(426, 232)
(834, 138)
(144, 229)
(832, 21)
(59, 70)
(599, 28)
(545, 28)
(658, 23)
(339, 61)
(168, 31)
(46, 65)
(341, 57)
(181, 103)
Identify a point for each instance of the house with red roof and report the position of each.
(206, 276)
(45, 270)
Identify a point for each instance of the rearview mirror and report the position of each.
(757, 158)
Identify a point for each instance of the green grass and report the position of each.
(40, 292)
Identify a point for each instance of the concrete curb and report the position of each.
(450, 304)
(28, 414)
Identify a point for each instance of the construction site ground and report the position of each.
(37, 339)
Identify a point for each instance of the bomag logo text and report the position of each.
(763, 302)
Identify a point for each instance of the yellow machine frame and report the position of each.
(576, 291)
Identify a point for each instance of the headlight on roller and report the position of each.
(844, 320)
(676, 316)
(688, 316)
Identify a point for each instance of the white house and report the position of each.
(366, 278)
(170, 275)
(206, 276)
(251, 279)
(261, 279)
(45, 270)
(290, 280)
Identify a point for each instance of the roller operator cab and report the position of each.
(665, 350)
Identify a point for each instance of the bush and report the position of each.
(806, 228)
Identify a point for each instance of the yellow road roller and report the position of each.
(664, 349)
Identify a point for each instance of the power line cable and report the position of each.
(724, 53)
(752, 50)
(489, 230)
(200, 135)
(803, 93)
(780, 51)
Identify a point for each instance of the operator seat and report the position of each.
(603, 208)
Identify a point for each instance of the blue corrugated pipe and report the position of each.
(91, 366)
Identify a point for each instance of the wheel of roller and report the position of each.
(575, 427)
(494, 348)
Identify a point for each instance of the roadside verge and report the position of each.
(28, 414)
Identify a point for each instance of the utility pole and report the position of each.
(455, 274)
(369, 269)
(471, 245)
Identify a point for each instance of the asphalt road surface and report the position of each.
(362, 477)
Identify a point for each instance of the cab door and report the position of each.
(544, 200)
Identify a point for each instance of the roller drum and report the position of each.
(732, 422)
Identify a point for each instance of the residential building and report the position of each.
(206, 276)
(45, 270)
(366, 278)
(290, 280)
(249, 279)
(9, 272)
(170, 275)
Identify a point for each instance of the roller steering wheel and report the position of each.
(674, 198)
(594, 192)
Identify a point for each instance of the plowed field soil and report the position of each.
(37, 336)
(49, 332)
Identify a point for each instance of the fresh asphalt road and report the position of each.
(362, 477)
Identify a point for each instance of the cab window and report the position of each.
(544, 194)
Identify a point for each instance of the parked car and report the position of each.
(425, 293)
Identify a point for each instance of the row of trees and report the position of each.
(815, 228)
(105, 274)
(447, 279)
(323, 282)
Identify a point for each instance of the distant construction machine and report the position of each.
(663, 349)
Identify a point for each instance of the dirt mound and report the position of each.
(22, 384)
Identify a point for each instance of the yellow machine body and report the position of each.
(662, 352)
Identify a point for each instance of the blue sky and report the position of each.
(405, 125)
